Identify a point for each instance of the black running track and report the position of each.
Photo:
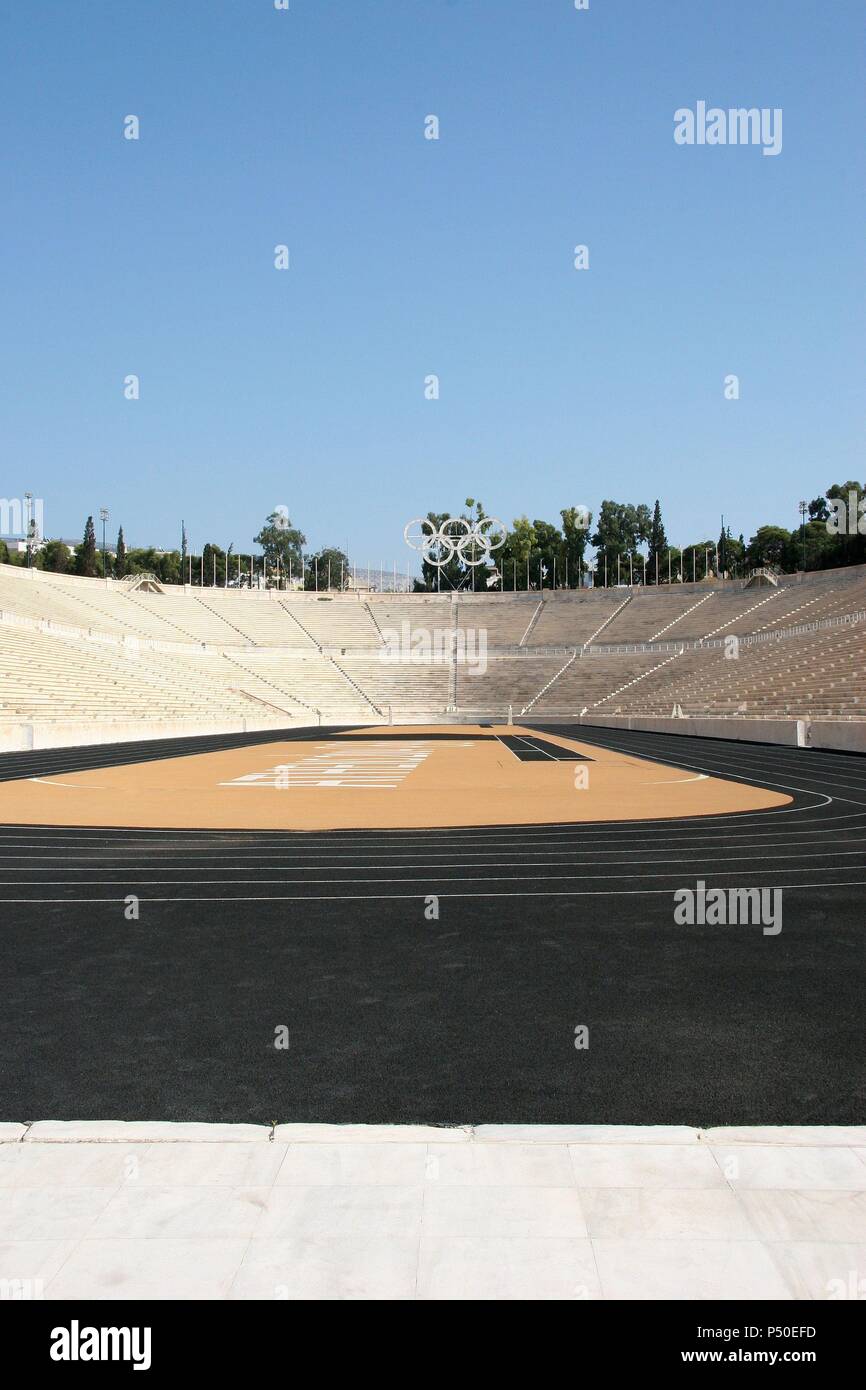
(393, 1016)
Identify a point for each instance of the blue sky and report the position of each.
(411, 257)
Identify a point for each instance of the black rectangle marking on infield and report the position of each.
(531, 749)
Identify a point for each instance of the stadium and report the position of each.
(571, 876)
(444, 872)
(139, 659)
(535, 779)
(486, 924)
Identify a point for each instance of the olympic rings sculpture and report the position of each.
(471, 541)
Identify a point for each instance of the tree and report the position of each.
(471, 567)
(55, 557)
(283, 545)
(85, 554)
(576, 522)
(731, 554)
(517, 555)
(658, 544)
(449, 574)
(769, 546)
(327, 569)
(822, 547)
(214, 565)
(165, 565)
(120, 568)
(675, 562)
(548, 555)
(169, 567)
(850, 547)
(621, 529)
(697, 560)
(142, 561)
(485, 570)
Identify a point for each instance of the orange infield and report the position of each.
(378, 778)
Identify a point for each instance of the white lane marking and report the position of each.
(530, 831)
(675, 781)
(764, 853)
(534, 748)
(575, 834)
(714, 866)
(76, 786)
(742, 775)
(387, 897)
(454, 859)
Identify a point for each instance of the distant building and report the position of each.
(18, 545)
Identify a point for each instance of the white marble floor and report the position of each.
(113, 1211)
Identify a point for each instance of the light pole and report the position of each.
(103, 516)
(28, 498)
(804, 507)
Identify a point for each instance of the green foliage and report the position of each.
(85, 554)
(166, 567)
(732, 555)
(770, 545)
(698, 561)
(55, 557)
(658, 541)
(576, 522)
(282, 544)
(630, 541)
(622, 528)
(327, 569)
(120, 556)
(533, 555)
(447, 576)
(213, 566)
